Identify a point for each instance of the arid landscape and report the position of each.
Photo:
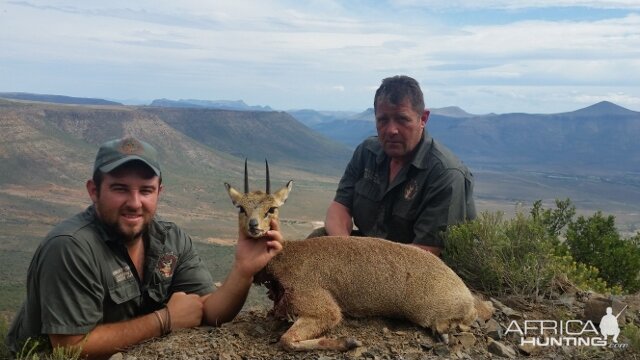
(47, 150)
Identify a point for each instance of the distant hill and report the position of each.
(56, 99)
(258, 134)
(311, 117)
(48, 141)
(597, 138)
(209, 104)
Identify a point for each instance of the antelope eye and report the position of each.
(241, 210)
(272, 210)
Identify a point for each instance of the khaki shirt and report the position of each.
(81, 277)
(434, 190)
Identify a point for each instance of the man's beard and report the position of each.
(119, 232)
(125, 237)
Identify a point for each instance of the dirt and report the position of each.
(254, 334)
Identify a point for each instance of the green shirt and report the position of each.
(81, 277)
(432, 191)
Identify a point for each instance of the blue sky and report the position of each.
(535, 56)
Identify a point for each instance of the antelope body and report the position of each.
(315, 281)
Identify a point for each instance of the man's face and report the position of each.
(127, 200)
(399, 128)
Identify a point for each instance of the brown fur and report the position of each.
(315, 281)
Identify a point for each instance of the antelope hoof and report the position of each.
(351, 343)
(444, 338)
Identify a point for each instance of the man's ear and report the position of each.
(92, 190)
(425, 117)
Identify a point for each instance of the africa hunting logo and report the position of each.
(569, 332)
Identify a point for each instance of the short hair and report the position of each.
(396, 89)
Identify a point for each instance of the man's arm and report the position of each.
(104, 340)
(252, 255)
(338, 221)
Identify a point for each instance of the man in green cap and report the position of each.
(115, 275)
(401, 185)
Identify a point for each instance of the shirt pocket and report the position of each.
(124, 291)
(159, 288)
(368, 190)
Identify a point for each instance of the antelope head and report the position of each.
(257, 208)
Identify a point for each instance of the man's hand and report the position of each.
(185, 310)
(252, 255)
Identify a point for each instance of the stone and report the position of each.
(500, 349)
(509, 312)
(528, 348)
(466, 339)
(493, 329)
(441, 350)
(596, 308)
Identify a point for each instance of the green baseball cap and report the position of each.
(119, 151)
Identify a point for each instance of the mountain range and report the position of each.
(591, 155)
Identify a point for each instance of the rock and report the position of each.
(466, 339)
(441, 350)
(426, 346)
(509, 312)
(596, 308)
(493, 329)
(500, 349)
(528, 348)
(117, 356)
(566, 300)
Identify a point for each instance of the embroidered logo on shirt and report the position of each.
(166, 264)
(411, 189)
(122, 274)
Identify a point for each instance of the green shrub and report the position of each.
(500, 256)
(4, 330)
(522, 256)
(632, 333)
(36, 349)
(595, 241)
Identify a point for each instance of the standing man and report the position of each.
(402, 185)
(115, 275)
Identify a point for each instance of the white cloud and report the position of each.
(292, 54)
(519, 4)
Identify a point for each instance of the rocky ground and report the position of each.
(254, 334)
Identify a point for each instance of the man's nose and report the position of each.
(134, 199)
(392, 127)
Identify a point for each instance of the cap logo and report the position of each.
(130, 146)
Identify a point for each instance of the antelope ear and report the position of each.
(234, 194)
(281, 195)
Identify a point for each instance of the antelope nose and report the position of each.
(253, 223)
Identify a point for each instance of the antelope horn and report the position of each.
(268, 179)
(246, 178)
